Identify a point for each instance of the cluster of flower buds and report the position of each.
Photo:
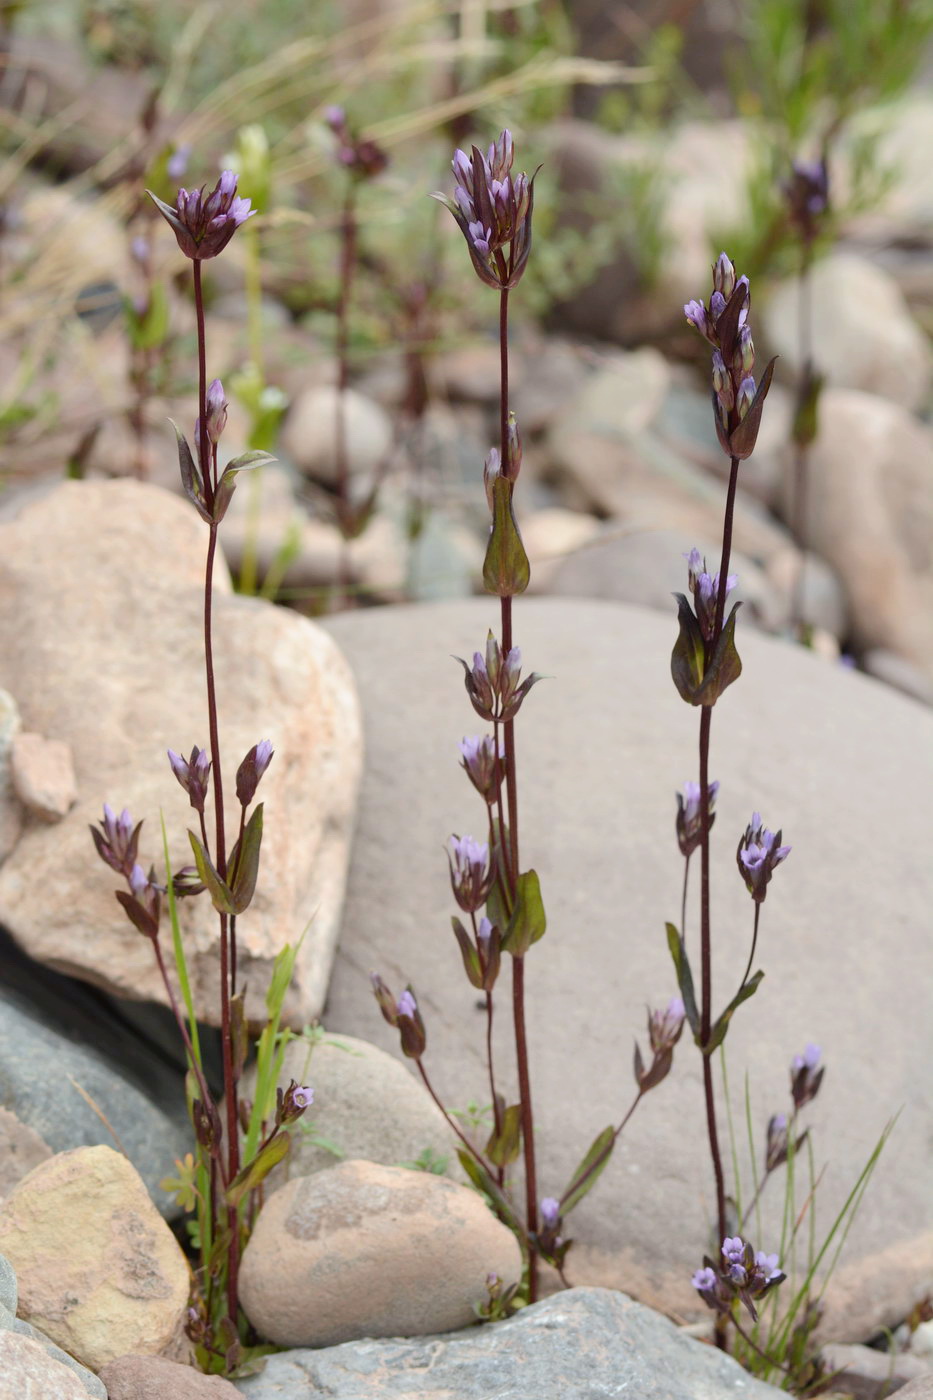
(483, 765)
(689, 824)
(705, 590)
(742, 1274)
(208, 1129)
(118, 840)
(472, 873)
(203, 225)
(404, 1015)
(192, 773)
(493, 210)
(807, 196)
(806, 1075)
(737, 402)
(664, 1030)
(482, 957)
(759, 851)
(492, 681)
(292, 1102)
(362, 157)
(251, 770)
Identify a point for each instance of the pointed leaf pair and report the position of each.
(226, 486)
(742, 442)
(506, 570)
(258, 1169)
(528, 921)
(244, 863)
(688, 657)
(191, 477)
(684, 977)
(589, 1170)
(137, 914)
(218, 889)
(724, 667)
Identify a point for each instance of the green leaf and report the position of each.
(500, 1203)
(684, 977)
(742, 441)
(506, 570)
(239, 1031)
(503, 1147)
(468, 952)
(718, 1033)
(687, 658)
(190, 476)
(528, 921)
(724, 666)
(258, 1169)
(221, 896)
(244, 863)
(806, 415)
(589, 1170)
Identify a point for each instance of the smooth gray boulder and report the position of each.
(842, 763)
(588, 1344)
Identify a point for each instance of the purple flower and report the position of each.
(410, 1025)
(178, 162)
(118, 840)
(203, 226)
(291, 1104)
(758, 853)
(304, 1096)
(745, 1275)
(493, 210)
(705, 590)
(216, 407)
(492, 681)
(806, 1075)
(482, 765)
(689, 825)
(550, 1212)
(704, 1281)
(251, 770)
(664, 1027)
(192, 773)
(471, 872)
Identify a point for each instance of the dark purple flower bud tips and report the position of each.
(117, 841)
(251, 770)
(216, 406)
(665, 1027)
(493, 210)
(335, 117)
(689, 825)
(482, 765)
(357, 154)
(410, 1025)
(203, 226)
(705, 590)
(807, 195)
(776, 1145)
(759, 852)
(471, 872)
(550, 1212)
(743, 1273)
(385, 999)
(806, 1075)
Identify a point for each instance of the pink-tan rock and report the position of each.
(27, 1372)
(101, 630)
(157, 1378)
(43, 775)
(371, 1251)
(21, 1149)
(99, 1271)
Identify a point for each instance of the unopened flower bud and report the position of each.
(192, 773)
(490, 472)
(216, 409)
(482, 765)
(689, 824)
(410, 1025)
(471, 872)
(665, 1027)
(251, 770)
(384, 998)
(806, 1075)
(776, 1145)
(746, 396)
(513, 444)
(724, 275)
(118, 840)
(550, 1212)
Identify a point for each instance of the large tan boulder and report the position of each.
(371, 1251)
(99, 1271)
(101, 634)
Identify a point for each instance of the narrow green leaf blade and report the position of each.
(528, 921)
(220, 894)
(684, 977)
(500, 1203)
(258, 1169)
(589, 1170)
(718, 1033)
(246, 867)
(504, 1147)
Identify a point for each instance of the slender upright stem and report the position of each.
(705, 928)
(202, 444)
(683, 902)
(801, 451)
(751, 955)
(511, 784)
(347, 264)
(451, 1120)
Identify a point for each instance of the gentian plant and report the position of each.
(500, 903)
(223, 1184)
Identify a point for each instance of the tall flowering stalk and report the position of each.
(493, 209)
(223, 1184)
(704, 663)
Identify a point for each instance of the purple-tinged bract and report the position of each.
(203, 225)
(493, 210)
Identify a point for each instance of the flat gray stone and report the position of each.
(588, 1344)
(8, 1293)
(842, 763)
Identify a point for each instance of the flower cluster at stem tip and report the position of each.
(203, 225)
(493, 210)
(758, 854)
(741, 1273)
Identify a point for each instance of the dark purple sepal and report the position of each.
(528, 922)
(243, 869)
(723, 667)
(506, 570)
(218, 889)
(727, 324)
(589, 1170)
(482, 704)
(510, 710)
(718, 1031)
(191, 477)
(658, 1069)
(186, 243)
(743, 439)
(684, 977)
(503, 1147)
(688, 656)
(138, 915)
(482, 266)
